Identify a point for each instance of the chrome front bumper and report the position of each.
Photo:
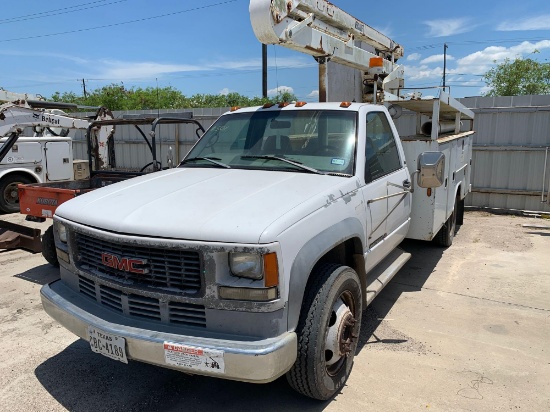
(248, 361)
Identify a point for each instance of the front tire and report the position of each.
(48, 247)
(328, 331)
(9, 195)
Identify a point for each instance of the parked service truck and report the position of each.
(256, 256)
(46, 155)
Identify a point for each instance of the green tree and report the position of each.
(118, 97)
(518, 77)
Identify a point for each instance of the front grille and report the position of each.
(169, 269)
(143, 307)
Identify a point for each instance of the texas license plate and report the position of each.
(109, 345)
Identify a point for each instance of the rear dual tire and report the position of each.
(446, 234)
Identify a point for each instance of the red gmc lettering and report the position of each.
(124, 264)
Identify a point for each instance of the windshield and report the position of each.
(286, 140)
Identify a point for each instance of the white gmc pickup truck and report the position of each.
(257, 255)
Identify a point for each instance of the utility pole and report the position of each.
(84, 87)
(445, 47)
(264, 71)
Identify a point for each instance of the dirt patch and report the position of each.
(489, 231)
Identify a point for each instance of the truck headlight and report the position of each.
(61, 232)
(246, 265)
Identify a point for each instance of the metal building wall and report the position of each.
(511, 152)
(132, 152)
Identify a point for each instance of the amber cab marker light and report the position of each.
(268, 105)
(271, 270)
(376, 62)
(345, 104)
(235, 108)
(300, 104)
(429, 192)
(283, 104)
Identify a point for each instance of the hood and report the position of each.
(210, 204)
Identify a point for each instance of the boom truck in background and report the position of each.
(46, 157)
(256, 256)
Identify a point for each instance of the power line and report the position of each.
(58, 12)
(469, 42)
(121, 23)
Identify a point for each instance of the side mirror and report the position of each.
(431, 167)
(395, 111)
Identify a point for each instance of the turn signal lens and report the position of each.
(271, 270)
(253, 294)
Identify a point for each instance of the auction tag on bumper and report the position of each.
(207, 360)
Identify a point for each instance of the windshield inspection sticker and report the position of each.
(339, 162)
(208, 360)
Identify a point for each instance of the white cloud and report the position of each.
(481, 61)
(413, 57)
(115, 69)
(25, 53)
(280, 89)
(423, 72)
(436, 58)
(314, 94)
(224, 92)
(533, 23)
(127, 70)
(448, 27)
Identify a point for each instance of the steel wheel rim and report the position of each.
(11, 195)
(340, 337)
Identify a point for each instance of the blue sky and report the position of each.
(209, 46)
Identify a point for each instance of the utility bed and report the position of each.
(452, 135)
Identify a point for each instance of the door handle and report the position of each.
(407, 184)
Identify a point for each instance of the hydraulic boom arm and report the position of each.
(322, 30)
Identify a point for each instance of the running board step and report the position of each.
(382, 273)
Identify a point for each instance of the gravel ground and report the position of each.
(461, 329)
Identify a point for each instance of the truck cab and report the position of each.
(223, 258)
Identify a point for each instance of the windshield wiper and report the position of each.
(209, 159)
(282, 159)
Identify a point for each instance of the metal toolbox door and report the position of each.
(58, 161)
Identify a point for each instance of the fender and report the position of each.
(310, 254)
(21, 171)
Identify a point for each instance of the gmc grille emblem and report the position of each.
(124, 264)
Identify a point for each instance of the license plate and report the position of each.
(112, 346)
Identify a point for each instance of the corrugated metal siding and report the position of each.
(132, 152)
(512, 134)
